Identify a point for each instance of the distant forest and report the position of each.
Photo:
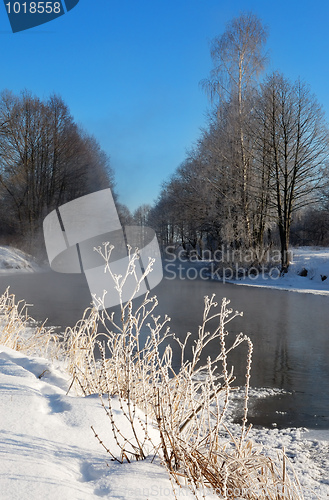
(46, 160)
(257, 178)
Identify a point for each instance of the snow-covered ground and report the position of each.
(48, 450)
(47, 447)
(312, 262)
(13, 260)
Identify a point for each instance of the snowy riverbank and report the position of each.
(308, 273)
(13, 260)
(48, 450)
(308, 270)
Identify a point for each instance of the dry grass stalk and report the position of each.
(180, 415)
(21, 332)
(187, 407)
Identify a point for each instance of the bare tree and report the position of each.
(238, 57)
(141, 213)
(262, 158)
(296, 150)
(45, 160)
(124, 213)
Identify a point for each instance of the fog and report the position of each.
(289, 331)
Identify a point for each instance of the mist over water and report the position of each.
(60, 298)
(289, 331)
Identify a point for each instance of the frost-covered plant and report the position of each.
(179, 414)
(78, 352)
(187, 406)
(21, 332)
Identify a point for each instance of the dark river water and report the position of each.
(289, 331)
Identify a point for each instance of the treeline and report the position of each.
(46, 160)
(259, 169)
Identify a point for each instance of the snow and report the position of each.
(308, 449)
(13, 260)
(47, 446)
(48, 449)
(314, 260)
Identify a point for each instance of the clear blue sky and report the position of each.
(129, 71)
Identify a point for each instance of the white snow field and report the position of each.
(313, 260)
(48, 449)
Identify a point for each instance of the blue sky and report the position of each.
(129, 71)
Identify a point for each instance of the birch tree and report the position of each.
(238, 58)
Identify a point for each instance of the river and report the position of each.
(289, 331)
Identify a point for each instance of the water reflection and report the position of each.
(281, 359)
(289, 331)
